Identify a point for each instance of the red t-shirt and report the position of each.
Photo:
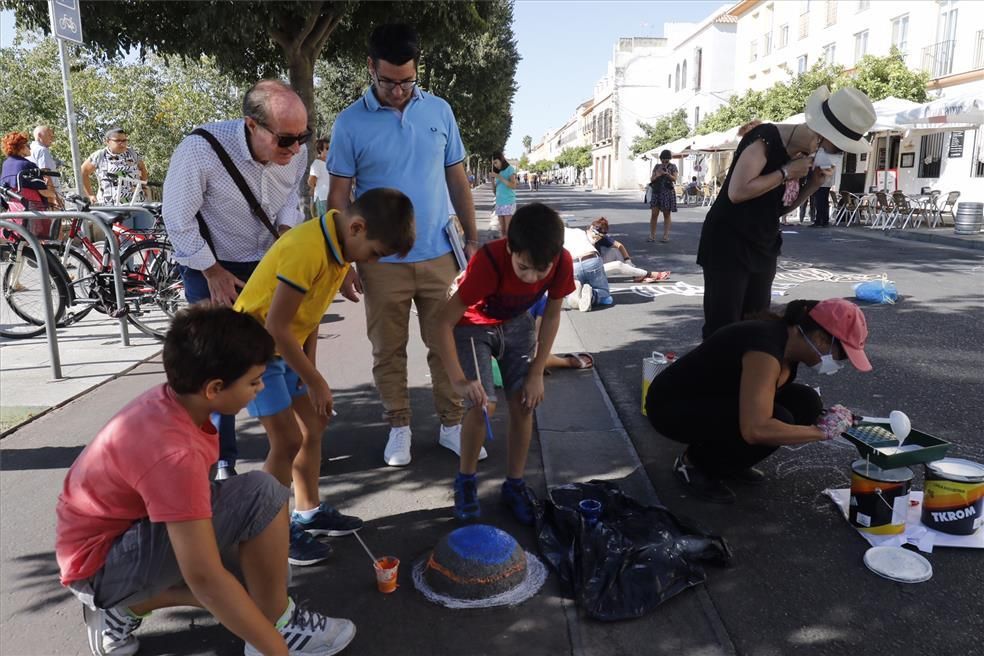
(150, 460)
(494, 293)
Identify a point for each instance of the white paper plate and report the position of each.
(898, 564)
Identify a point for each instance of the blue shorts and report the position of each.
(281, 385)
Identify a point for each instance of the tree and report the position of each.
(666, 129)
(156, 102)
(527, 143)
(880, 77)
(578, 158)
(543, 166)
(524, 163)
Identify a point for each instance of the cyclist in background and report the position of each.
(117, 167)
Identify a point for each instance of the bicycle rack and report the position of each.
(49, 311)
(114, 253)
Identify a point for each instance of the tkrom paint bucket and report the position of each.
(953, 496)
(879, 498)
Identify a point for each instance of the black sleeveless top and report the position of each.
(746, 236)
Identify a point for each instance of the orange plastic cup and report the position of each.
(387, 569)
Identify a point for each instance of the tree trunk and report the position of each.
(300, 67)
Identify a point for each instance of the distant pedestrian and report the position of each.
(401, 137)
(319, 178)
(41, 155)
(118, 169)
(140, 528)
(21, 175)
(504, 181)
(488, 316)
(740, 239)
(663, 195)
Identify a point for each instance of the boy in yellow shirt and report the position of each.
(289, 292)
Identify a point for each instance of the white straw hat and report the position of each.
(841, 118)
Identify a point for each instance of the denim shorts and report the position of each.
(512, 344)
(141, 563)
(281, 385)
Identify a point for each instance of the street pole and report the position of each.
(69, 108)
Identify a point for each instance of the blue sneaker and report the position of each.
(466, 499)
(304, 549)
(517, 500)
(327, 521)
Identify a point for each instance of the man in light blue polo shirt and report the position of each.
(401, 137)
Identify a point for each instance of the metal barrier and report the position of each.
(114, 252)
(49, 311)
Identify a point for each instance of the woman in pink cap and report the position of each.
(733, 401)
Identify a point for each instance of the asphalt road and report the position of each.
(799, 585)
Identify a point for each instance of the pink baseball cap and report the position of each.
(845, 321)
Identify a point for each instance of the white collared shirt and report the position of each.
(41, 155)
(197, 181)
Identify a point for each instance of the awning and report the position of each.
(716, 141)
(678, 148)
(966, 109)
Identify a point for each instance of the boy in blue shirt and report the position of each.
(488, 315)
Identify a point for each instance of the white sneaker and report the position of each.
(584, 302)
(451, 439)
(307, 632)
(111, 630)
(397, 451)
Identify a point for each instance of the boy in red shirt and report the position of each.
(488, 316)
(140, 527)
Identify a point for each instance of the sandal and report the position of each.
(584, 360)
(664, 240)
(650, 239)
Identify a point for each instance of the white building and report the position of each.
(780, 38)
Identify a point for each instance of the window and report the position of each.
(829, 52)
(766, 43)
(931, 155)
(801, 64)
(696, 116)
(863, 5)
(784, 35)
(676, 79)
(831, 12)
(683, 75)
(753, 50)
(860, 45)
(699, 64)
(804, 30)
(900, 32)
(669, 81)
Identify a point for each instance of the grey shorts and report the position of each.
(512, 344)
(141, 563)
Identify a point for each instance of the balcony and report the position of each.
(937, 59)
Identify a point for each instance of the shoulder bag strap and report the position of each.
(237, 177)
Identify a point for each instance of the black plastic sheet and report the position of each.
(629, 562)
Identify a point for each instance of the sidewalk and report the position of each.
(91, 352)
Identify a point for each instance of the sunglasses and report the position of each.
(288, 140)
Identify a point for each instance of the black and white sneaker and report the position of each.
(702, 485)
(111, 630)
(308, 632)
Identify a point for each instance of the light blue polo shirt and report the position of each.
(382, 147)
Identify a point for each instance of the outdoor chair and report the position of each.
(707, 195)
(929, 209)
(903, 207)
(884, 210)
(848, 208)
(837, 207)
(947, 208)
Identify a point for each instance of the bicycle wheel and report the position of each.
(154, 289)
(22, 304)
(82, 281)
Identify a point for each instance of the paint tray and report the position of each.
(873, 440)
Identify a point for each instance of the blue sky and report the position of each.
(566, 47)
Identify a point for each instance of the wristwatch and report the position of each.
(785, 174)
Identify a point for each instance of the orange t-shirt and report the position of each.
(150, 460)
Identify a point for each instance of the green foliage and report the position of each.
(664, 130)
(524, 163)
(543, 166)
(158, 103)
(878, 77)
(579, 158)
(527, 143)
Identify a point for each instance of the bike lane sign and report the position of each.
(67, 20)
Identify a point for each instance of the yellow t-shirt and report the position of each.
(309, 259)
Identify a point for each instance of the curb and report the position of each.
(940, 239)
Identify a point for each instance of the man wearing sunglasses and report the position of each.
(218, 239)
(399, 136)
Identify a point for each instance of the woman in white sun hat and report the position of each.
(741, 239)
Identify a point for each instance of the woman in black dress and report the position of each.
(663, 198)
(740, 240)
(733, 401)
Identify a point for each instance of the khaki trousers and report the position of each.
(389, 289)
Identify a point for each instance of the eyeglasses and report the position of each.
(120, 140)
(288, 140)
(389, 85)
